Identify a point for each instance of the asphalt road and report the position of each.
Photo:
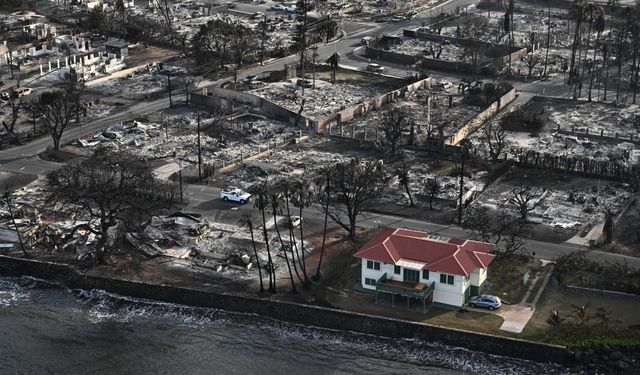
(205, 200)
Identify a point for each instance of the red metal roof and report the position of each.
(456, 256)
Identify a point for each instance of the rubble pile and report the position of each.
(287, 162)
(570, 203)
(420, 174)
(589, 121)
(144, 83)
(442, 121)
(325, 99)
(222, 141)
(450, 52)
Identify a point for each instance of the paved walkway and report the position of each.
(516, 317)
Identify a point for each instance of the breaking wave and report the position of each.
(19, 289)
(104, 306)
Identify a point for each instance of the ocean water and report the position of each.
(48, 329)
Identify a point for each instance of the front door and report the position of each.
(411, 276)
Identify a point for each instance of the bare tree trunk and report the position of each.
(324, 230)
(272, 279)
(255, 253)
(284, 250)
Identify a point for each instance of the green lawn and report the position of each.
(506, 277)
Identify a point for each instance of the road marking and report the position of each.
(22, 168)
(202, 189)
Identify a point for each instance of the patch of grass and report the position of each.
(576, 335)
(467, 320)
(506, 277)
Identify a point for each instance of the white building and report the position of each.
(409, 264)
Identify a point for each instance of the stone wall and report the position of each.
(480, 119)
(290, 312)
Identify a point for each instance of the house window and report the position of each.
(411, 276)
(371, 282)
(373, 265)
(396, 270)
(425, 274)
(446, 279)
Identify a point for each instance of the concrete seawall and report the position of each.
(290, 312)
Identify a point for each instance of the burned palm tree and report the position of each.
(301, 198)
(324, 193)
(259, 190)
(247, 220)
(274, 198)
(286, 191)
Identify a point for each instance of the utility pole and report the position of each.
(199, 152)
(169, 80)
(7, 199)
(263, 37)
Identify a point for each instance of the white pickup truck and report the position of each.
(235, 195)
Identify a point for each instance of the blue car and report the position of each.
(487, 301)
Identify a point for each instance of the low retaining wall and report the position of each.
(219, 99)
(427, 63)
(603, 292)
(480, 119)
(290, 312)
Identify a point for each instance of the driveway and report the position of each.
(515, 317)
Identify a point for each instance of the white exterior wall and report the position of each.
(445, 293)
(478, 276)
(374, 274)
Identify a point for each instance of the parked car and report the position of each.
(373, 67)
(366, 40)
(290, 8)
(278, 7)
(24, 91)
(295, 222)
(443, 85)
(235, 195)
(486, 300)
(398, 18)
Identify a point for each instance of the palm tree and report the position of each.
(274, 197)
(326, 194)
(546, 56)
(301, 198)
(635, 40)
(580, 313)
(286, 189)
(589, 18)
(260, 190)
(577, 13)
(247, 220)
(598, 26)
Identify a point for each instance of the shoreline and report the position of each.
(296, 313)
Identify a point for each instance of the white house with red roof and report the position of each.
(431, 269)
